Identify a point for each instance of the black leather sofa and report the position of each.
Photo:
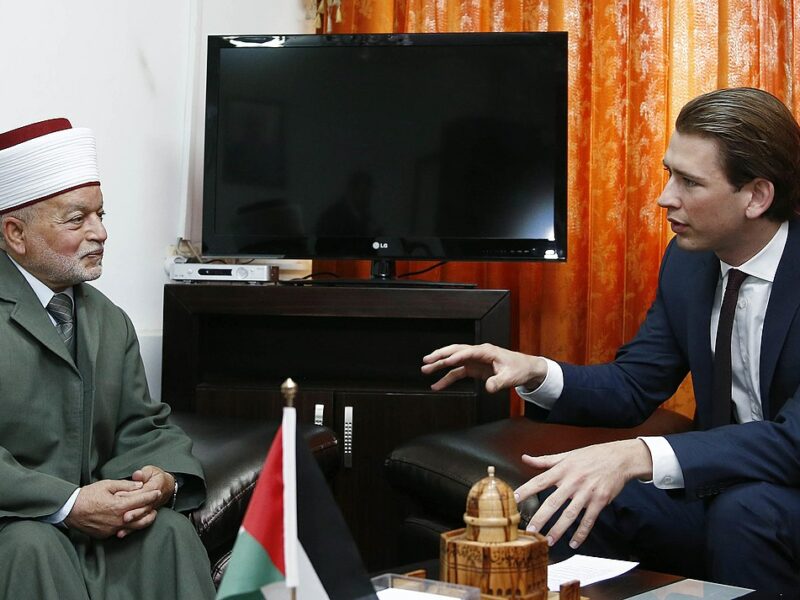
(232, 452)
(435, 472)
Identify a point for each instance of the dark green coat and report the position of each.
(64, 425)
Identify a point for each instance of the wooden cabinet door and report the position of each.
(381, 421)
(253, 401)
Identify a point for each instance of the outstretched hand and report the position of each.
(587, 480)
(500, 368)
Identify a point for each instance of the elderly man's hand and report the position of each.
(588, 478)
(500, 368)
(100, 508)
(152, 479)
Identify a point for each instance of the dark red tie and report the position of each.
(721, 395)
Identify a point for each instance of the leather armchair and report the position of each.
(435, 472)
(232, 452)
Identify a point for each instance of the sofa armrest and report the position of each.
(232, 453)
(436, 471)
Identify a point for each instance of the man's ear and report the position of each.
(14, 234)
(762, 193)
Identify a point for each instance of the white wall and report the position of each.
(130, 71)
(217, 18)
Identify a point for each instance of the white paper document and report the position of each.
(586, 569)
(401, 594)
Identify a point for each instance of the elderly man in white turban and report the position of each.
(92, 476)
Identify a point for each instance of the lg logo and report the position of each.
(379, 245)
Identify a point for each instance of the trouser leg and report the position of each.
(165, 561)
(753, 536)
(37, 560)
(661, 530)
(749, 535)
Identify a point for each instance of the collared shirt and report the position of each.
(45, 294)
(748, 326)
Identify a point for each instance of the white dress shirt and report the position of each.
(45, 294)
(748, 325)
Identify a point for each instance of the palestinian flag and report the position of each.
(293, 535)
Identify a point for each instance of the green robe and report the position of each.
(65, 425)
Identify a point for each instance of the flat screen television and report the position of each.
(389, 146)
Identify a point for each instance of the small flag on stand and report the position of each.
(293, 537)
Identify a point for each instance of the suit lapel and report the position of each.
(702, 285)
(784, 301)
(28, 312)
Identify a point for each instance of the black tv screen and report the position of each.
(419, 146)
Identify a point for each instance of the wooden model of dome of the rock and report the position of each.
(491, 553)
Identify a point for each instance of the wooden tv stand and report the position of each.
(352, 351)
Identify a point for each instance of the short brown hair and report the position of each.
(756, 135)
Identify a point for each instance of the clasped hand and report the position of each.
(118, 507)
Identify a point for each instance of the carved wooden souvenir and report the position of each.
(491, 553)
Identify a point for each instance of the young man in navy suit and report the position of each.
(721, 502)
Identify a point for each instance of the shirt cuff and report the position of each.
(178, 483)
(549, 390)
(667, 472)
(57, 518)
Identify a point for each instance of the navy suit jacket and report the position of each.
(673, 340)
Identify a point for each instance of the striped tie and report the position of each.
(60, 308)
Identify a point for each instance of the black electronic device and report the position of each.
(387, 146)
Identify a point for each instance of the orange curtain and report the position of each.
(632, 65)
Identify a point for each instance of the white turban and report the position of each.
(43, 160)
